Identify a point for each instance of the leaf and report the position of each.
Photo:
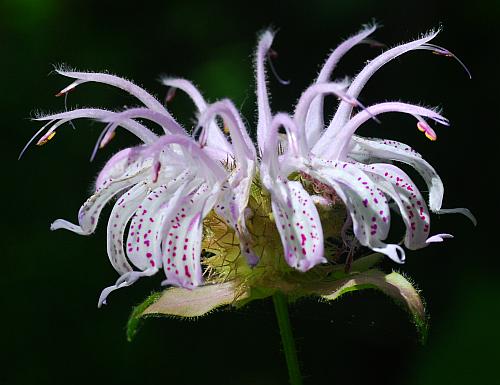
(180, 302)
(394, 285)
(134, 321)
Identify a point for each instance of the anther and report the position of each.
(427, 130)
(44, 139)
(156, 171)
(374, 43)
(441, 51)
(170, 94)
(272, 54)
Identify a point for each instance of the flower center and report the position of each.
(221, 247)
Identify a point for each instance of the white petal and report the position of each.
(392, 150)
(123, 210)
(409, 200)
(298, 224)
(181, 234)
(365, 201)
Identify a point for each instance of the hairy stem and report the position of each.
(281, 309)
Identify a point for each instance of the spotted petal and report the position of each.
(298, 224)
(143, 236)
(411, 205)
(91, 209)
(123, 210)
(365, 201)
(392, 150)
(181, 234)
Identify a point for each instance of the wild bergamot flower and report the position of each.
(231, 220)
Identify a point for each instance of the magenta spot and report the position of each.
(149, 255)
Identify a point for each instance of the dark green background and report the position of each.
(51, 330)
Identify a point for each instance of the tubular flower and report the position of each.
(211, 205)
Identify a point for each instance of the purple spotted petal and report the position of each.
(365, 201)
(298, 224)
(385, 149)
(123, 210)
(181, 234)
(410, 202)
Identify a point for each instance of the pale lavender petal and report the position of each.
(345, 109)
(242, 144)
(189, 88)
(191, 148)
(165, 120)
(134, 127)
(303, 108)
(263, 108)
(344, 47)
(326, 150)
(215, 137)
(115, 81)
(314, 121)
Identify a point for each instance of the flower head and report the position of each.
(261, 215)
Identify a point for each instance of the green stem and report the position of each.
(292, 362)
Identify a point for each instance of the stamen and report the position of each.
(66, 109)
(33, 138)
(374, 43)
(170, 94)
(225, 128)
(108, 137)
(156, 171)
(441, 51)
(426, 129)
(45, 139)
(69, 88)
(100, 140)
(357, 103)
(272, 54)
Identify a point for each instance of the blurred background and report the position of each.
(51, 330)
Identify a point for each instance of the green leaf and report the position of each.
(394, 285)
(134, 321)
